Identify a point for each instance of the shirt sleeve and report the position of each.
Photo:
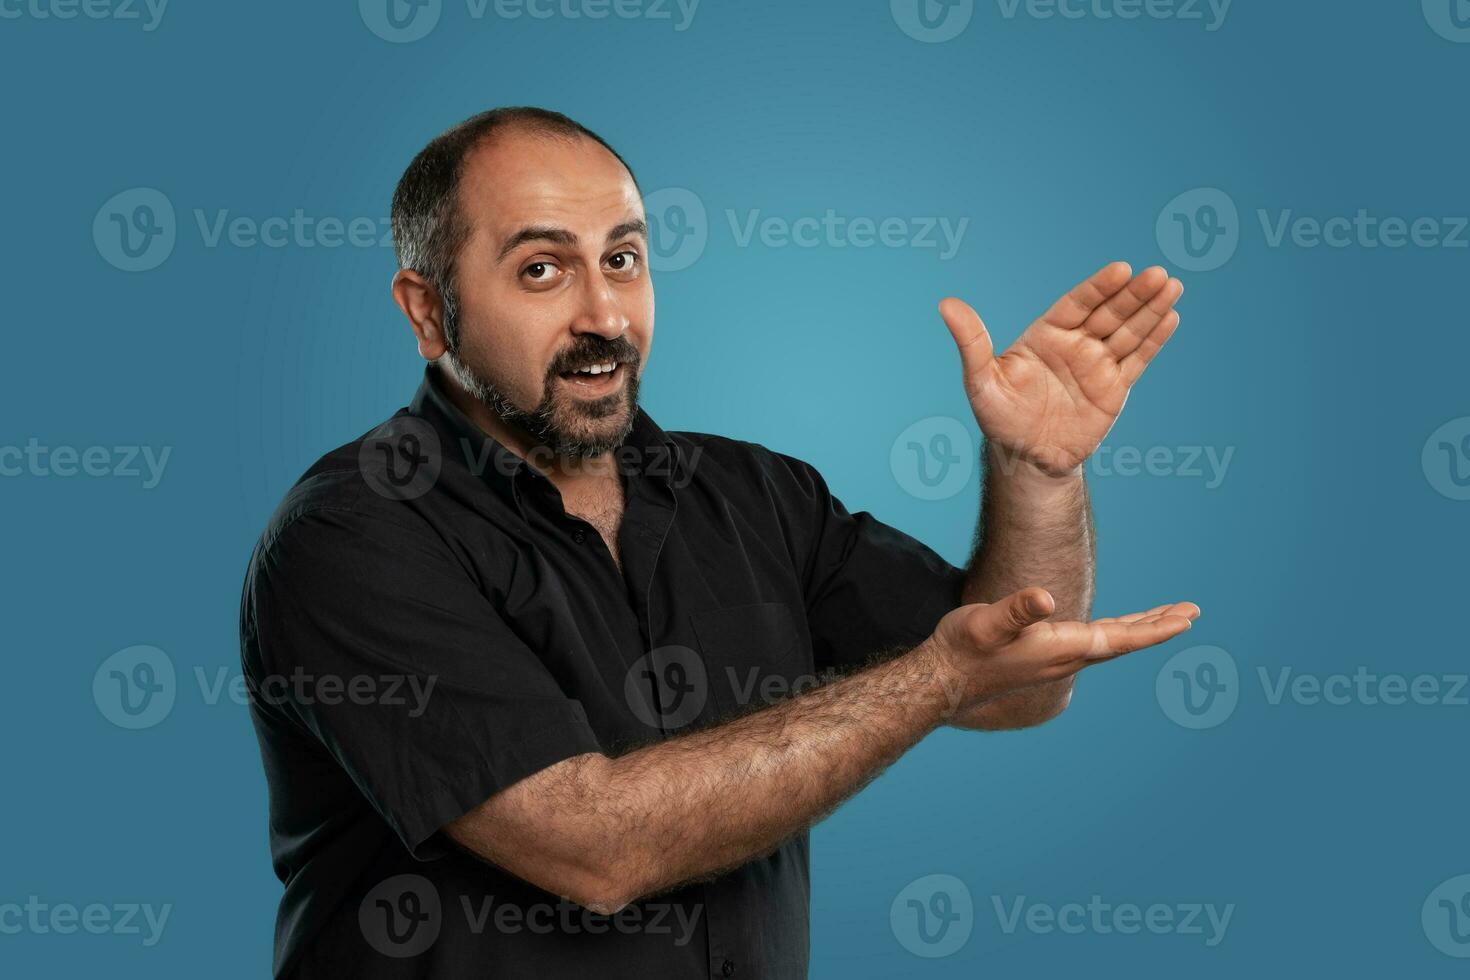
(870, 588)
(449, 706)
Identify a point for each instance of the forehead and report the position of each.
(518, 179)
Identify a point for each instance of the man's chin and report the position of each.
(579, 435)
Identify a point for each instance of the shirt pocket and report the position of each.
(754, 655)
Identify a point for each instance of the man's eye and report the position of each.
(624, 261)
(539, 271)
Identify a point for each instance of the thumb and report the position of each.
(977, 352)
(1001, 621)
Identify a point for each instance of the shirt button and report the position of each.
(579, 536)
(727, 968)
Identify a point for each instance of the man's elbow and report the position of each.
(608, 882)
(592, 880)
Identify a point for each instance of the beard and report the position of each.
(569, 427)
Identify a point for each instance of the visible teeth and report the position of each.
(598, 368)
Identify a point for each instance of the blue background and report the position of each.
(1326, 547)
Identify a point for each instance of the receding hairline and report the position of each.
(488, 141)
(632, 223)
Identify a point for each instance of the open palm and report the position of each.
(1051, 398)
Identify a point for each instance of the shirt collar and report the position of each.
(648, 451)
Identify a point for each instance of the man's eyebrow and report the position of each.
(560, 236)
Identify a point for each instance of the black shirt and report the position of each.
(423, 625)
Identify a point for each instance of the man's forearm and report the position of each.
(615, 829)
(1034, 529)
(712, 800)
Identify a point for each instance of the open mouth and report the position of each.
(595, 379)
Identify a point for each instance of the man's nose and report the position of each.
(601, 313)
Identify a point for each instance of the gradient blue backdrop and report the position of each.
(1325, 547)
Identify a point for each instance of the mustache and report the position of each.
(594, 350)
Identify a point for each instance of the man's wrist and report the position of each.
(935, 678)
(1015, 462)
(1036, 482)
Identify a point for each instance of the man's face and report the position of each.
(552, 281)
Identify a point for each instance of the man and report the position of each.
(543, 690)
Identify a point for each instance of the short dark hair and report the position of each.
(429, 228)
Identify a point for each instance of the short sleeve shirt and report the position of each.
(422, 625)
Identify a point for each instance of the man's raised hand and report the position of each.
(1054, 394)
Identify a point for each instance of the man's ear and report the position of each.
(419, 301)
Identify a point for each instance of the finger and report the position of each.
(1102, 641)
(1142, 323)
(1116, 310)
(1001, 621)
(1115, 639)
(977, 352)
(1132, 366)
(1075, 307)
(1188, 610)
